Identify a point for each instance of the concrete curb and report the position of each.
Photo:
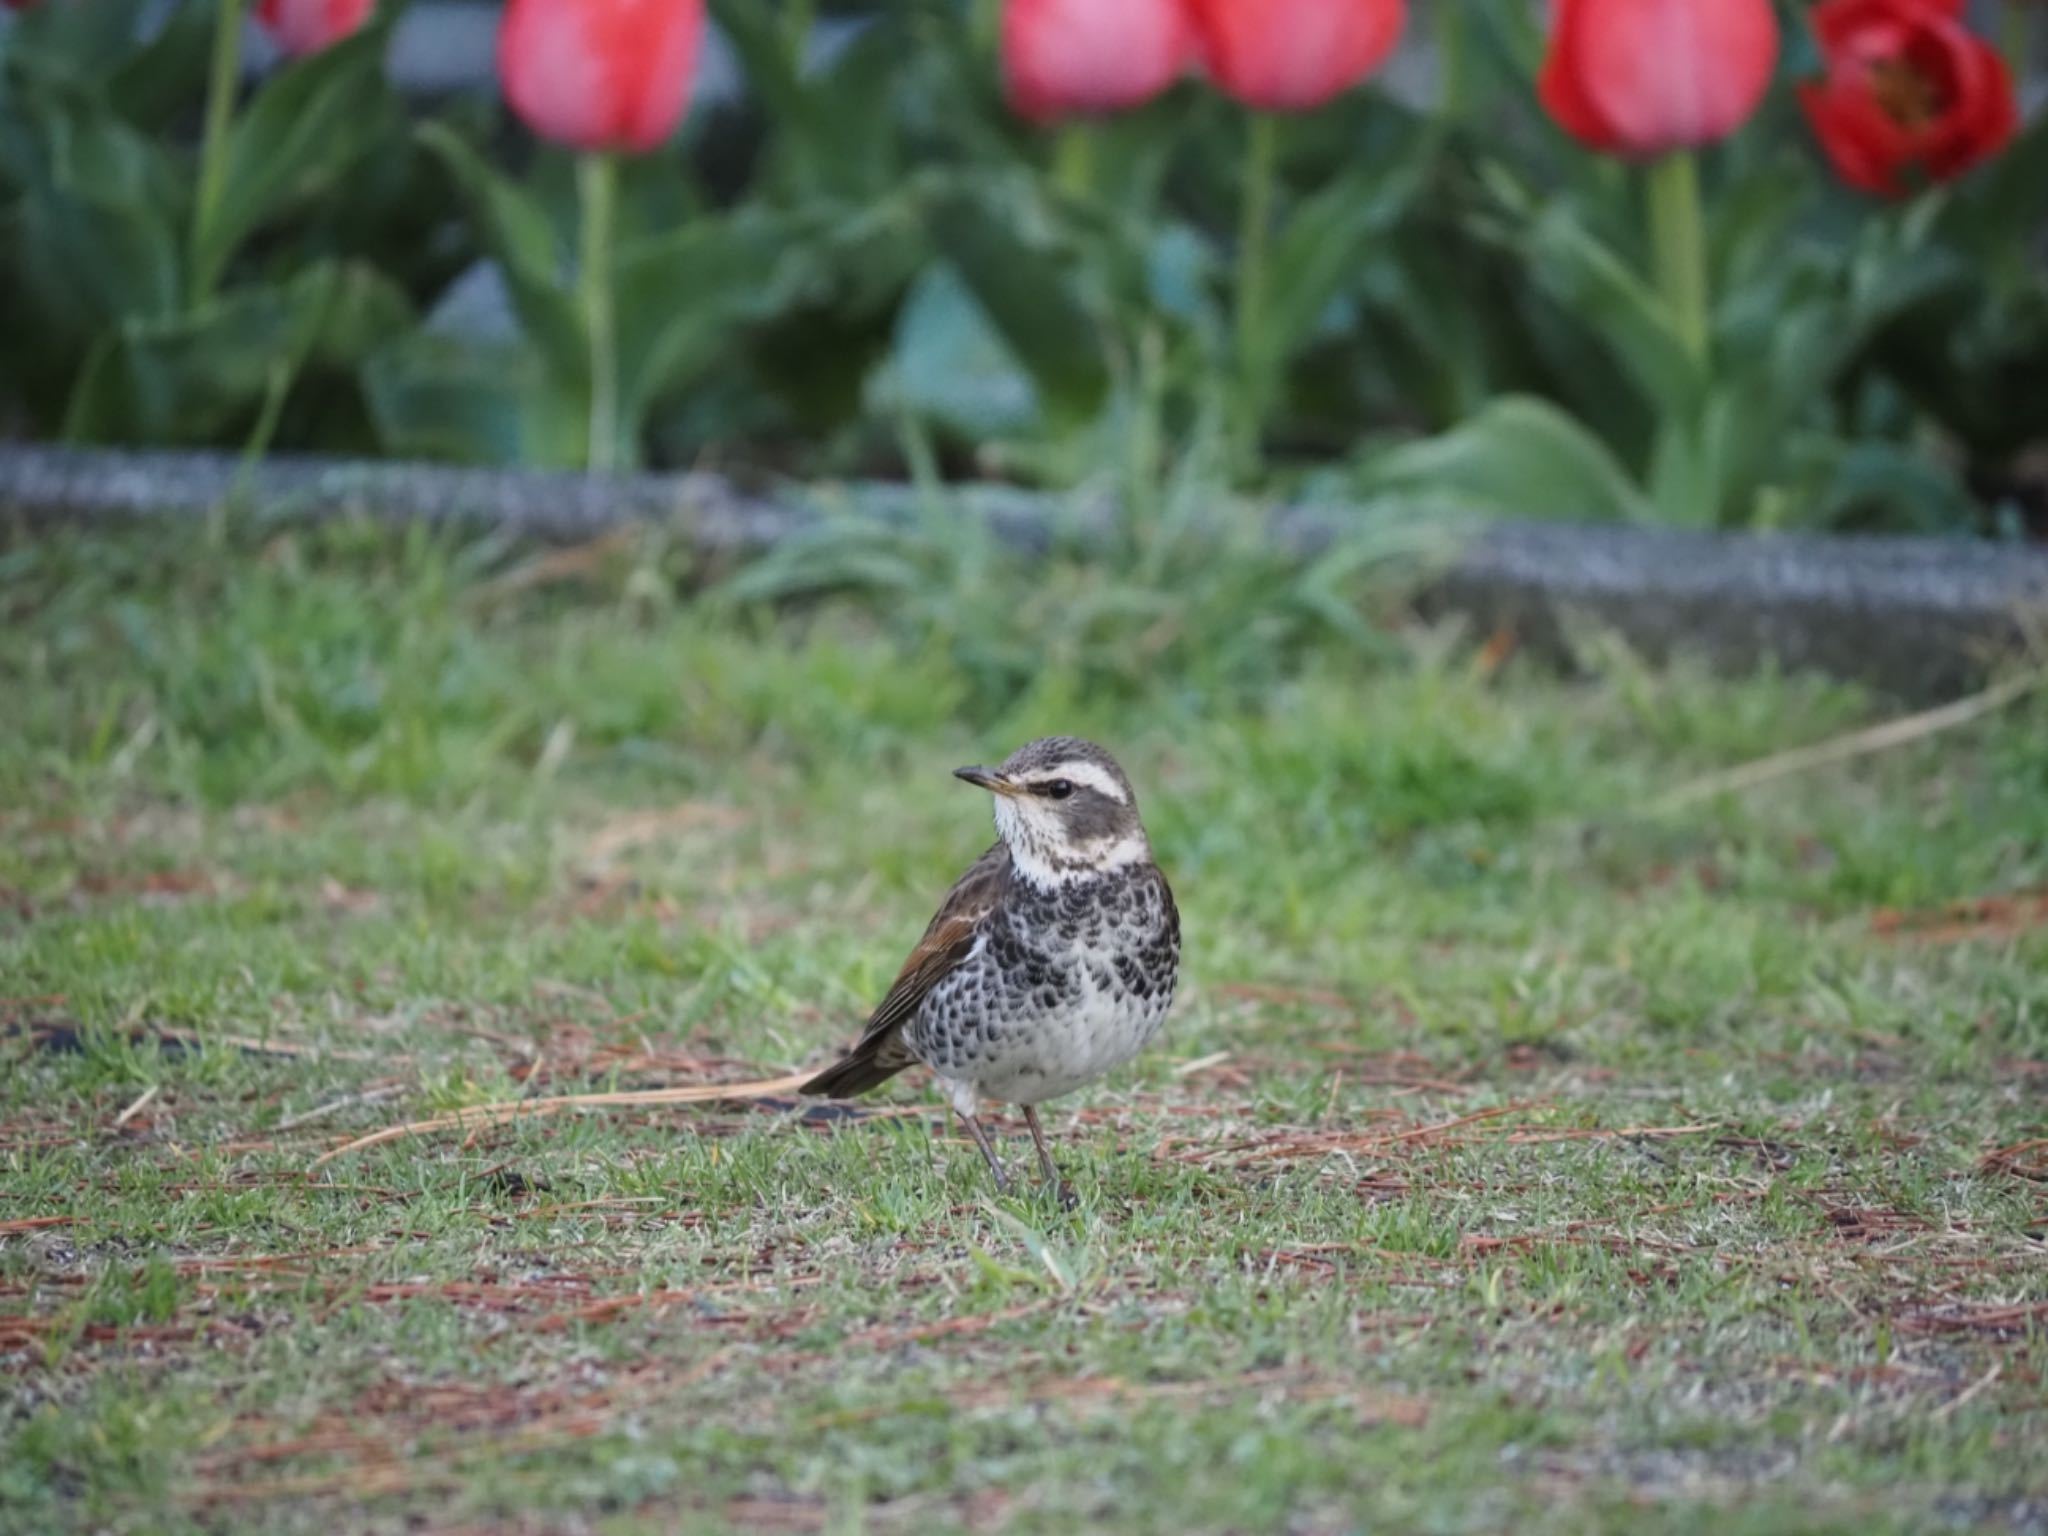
(1923, 618)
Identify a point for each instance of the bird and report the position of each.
(1051, 962)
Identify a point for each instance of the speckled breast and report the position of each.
(1068, 984)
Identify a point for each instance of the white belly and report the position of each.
(1094, 1036)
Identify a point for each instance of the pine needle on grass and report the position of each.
(504, 1113)
(1846, 748)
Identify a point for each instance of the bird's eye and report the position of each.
(1059, 789)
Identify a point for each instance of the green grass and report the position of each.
(362, 830)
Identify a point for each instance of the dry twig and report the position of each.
(478, 1116)
(321, 1111)
(1846, 748)
(141, 1103)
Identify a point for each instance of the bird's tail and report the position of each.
(867, 1065)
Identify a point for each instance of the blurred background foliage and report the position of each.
(864, 264)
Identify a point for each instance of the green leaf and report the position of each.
(76, 42)
(307, 126)
(522, 241)
(63, 136)
(1180, 277)
(1786, 345)
(855, 259)
(679, 297)
(1320, 247)
(1690, 470)
(1439, 328)
(950, 365)
(92, 264)
(1597, 288)
(1892, 486)
(98, 210)
(1517, 32)
(1518, 457)
(1751, 220)
(202, 374)
(1973, 356)
(158, 82)
(351, 310)
(999, 240)
(1992, 211)
(835, 131)
(433, 397)
(770, 54)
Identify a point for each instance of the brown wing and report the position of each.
(880, 1054)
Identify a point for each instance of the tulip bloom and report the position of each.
(1910, 94)
(1064, 58)
(601, 74)
(1641, 78)
(1294, 55)
(307, 26)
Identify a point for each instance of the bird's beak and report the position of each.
(995, 783)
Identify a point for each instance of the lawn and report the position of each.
(1521, 1154)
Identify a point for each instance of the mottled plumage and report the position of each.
(1051, 962)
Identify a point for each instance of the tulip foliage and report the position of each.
(163, 292)
(1704, 261)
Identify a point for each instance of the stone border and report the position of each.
(1922, 618)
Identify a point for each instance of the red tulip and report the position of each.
(1292, 55)
(1068, 57)
(1910, 94)
(601, 74)
(1644, 77)
(307, 26)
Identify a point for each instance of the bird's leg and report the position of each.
(988, 1151)
(1052, 1174)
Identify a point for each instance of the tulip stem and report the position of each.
(1454, 53)
(798, 16)
(1679, 240)
(597, 185)
(223, 77)
(1256, 213)
(1073, 164)
(2016, 33)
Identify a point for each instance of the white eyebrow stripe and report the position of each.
(1081, 771)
